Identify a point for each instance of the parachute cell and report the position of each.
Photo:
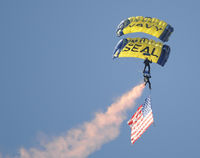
(142, 48)
(152, 26)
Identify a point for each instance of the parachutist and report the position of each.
(147, 65)
(148, 83)
(147, 73)
(147, 76)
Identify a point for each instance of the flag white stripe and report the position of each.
(133, 140)
(141, 132)
(137, 122)
(141, 128)
(140, 123)
(138, 112)
(141, 120)
(144, 122)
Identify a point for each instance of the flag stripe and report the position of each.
(140, 123)
(138, 110)
(143, 127)
(133, 141)
(142, 133)
(135, 116)
(140, 129)
(141, 120)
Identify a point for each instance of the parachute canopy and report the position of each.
(142, 48)
(152, 26)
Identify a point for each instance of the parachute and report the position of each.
(152, 26)
(143, 48)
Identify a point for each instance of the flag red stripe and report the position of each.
(145, 122)
(143, 128)
(140, 122)
(139, 112)
(135, 115)
(141, 134)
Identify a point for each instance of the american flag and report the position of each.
(141, 120)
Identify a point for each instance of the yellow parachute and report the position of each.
(143, 48)
(152, 26)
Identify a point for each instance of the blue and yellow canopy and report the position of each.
(152, 26)
(142, 48)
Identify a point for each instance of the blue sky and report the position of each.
(57, 70)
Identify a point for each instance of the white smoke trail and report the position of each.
(82, 141)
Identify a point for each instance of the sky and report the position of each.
(57, 71)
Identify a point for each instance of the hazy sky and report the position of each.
(56, 71)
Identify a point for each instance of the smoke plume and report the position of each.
(89, 137)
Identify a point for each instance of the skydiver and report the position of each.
(147, 65)
(147, 76)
